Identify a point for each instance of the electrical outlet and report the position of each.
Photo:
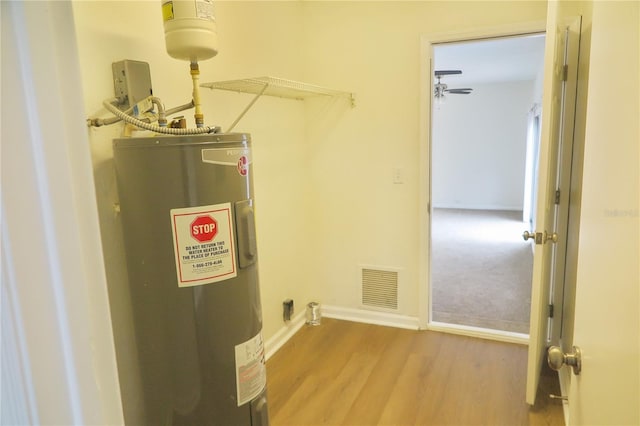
(398, 175)
(287, 310)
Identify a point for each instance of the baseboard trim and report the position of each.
(477, 207)
(482, 333)
(283, 335)
(370, 317)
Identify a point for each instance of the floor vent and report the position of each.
(380, 288)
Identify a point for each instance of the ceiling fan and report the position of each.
(439, 89)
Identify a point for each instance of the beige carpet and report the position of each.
(481, 269)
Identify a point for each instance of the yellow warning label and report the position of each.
(167, 11)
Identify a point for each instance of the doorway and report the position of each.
(483, 164)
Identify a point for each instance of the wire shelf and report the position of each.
(280, 87)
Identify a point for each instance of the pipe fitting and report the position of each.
(195, 73)
(199, 120)
(141, 124)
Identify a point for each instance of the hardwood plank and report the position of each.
(300, 357)
(410, 389)
(334, 401)
(323, 358)
(369, 404)
(358, 374)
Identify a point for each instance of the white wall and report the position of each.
(537, 85)
(479, 147)
(359, 215)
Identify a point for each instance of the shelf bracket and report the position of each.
(248, 107)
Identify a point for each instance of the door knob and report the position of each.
(556, 358)
(535, 236)
(540, 237)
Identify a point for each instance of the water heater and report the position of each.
(187, 210)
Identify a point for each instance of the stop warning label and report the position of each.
(204, 228)
(203, 244)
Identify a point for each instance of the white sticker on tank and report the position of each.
(204, 10)
(251, 370)
(203, 243)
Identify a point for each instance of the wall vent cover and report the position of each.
(380, 288)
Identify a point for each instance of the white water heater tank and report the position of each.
(190, 29)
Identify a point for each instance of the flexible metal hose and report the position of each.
(165, 130)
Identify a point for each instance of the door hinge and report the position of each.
(551, 311)
(565, 72)
(557, 199)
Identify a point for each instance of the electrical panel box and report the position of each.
(131, 82)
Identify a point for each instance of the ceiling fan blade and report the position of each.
(439, 73)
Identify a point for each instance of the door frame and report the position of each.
(66, 372)
(424, 184)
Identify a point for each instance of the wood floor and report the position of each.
(347, 373)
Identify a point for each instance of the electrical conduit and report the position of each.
(155, 128)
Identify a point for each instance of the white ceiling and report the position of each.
(491, 61)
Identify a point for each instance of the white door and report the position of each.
(607, 319)
(558, 113)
